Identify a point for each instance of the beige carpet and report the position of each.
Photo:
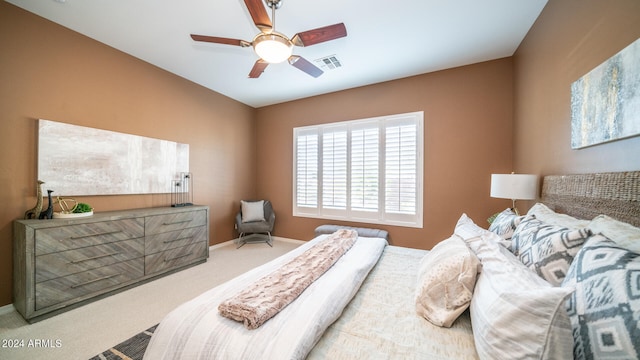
(89, 330)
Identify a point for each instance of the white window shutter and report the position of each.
(401, 168)
(307, 170)
(334, 169)
(365, 169)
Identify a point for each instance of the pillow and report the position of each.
(543, 213)
(605, 307)
(623, 234)
(504, 225)
(252, 210)
(547, 249)
(467, 229)
(446, 279)
(515, 314)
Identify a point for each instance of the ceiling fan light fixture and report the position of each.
(273, 47)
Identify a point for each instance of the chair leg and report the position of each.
(240, 242)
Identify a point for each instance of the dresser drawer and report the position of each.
(175, 258)
(174, 239)
(176, 221)
(90, 282)
(82, 235)
(55, 265)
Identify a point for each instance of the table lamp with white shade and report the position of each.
(515, 187)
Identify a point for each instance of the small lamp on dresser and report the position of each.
(515, 187)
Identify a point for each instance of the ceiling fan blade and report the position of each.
(220, 40)
(259, 14)
(315, 36)
(258, 69)
(304, 65)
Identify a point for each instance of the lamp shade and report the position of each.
(514, 186)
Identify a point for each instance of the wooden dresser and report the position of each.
(64, 263)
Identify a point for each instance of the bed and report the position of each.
(379, 301)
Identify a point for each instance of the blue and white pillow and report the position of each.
(605, 308)
(504, 225)
(547, 249)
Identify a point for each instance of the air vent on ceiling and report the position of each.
(330, 62)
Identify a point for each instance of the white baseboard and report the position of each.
(274, 238)
(6, 309)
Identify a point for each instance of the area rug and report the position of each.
(132, 348)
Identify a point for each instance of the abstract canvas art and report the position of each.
(78, 160)
(605, 103)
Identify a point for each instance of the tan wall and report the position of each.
(569, 39)
(49, 72)
(468, 132)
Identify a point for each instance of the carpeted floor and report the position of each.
(93, 328)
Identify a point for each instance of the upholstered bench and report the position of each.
(368, 232)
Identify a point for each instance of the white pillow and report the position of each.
(543, 213)
(515, 314)
(446, 279)
(252, 210)
(623, 234)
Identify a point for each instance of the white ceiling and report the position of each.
(385, 40)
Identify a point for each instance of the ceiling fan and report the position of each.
(273, 47)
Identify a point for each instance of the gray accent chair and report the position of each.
(256, 227)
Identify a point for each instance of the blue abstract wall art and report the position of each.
(605, 103)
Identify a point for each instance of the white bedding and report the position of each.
(195, 330)
(381, 320)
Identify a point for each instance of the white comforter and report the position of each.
(195, 330)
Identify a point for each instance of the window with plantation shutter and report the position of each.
(367, 170)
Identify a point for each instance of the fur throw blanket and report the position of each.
(264, 298)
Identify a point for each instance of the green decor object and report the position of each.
(492, 218)
(78, 209)
(82, 208)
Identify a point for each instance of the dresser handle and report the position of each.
(92, 235)
(94, 280)
(95, 257)
(178, 239)
(177, 257)
(177, 222)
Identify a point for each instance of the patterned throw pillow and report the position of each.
(547, 249)
(605, 308)
(446, 279)
(504, 225)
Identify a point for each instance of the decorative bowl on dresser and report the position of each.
(61, 264)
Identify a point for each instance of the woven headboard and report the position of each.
(588, 195)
